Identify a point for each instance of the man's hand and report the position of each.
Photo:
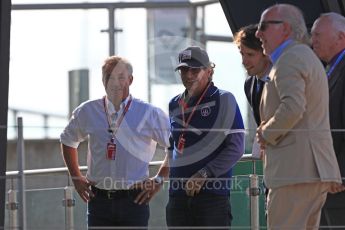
(336, 187)
(194, 184)
(260, 139)
(262, 154)
(82, 185)
(149, 188)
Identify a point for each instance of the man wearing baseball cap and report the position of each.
(207, 140)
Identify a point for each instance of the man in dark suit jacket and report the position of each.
(256, 64)
(328, 39)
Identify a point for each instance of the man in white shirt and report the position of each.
(122, 133)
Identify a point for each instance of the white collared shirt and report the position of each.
(141, 129)
(113, 115)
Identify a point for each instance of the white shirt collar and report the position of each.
(111, 107)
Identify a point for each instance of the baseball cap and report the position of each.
(193, 57)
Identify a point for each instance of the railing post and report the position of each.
(12, 207)
(45, 125)
(21, 176)
(254, 201)
(69, 203)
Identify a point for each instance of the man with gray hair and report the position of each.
(300, 166)
(328, 40)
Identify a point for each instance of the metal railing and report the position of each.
(112, 6)
(16, 209)
(69, 201)
(16, 199)
(14, 113)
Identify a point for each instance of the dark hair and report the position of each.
(246, 36)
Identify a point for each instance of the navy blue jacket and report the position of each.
(214, 140)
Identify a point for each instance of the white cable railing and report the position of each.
(69, 202)
(16, 199)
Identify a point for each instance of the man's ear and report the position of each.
(341, 36)
(211, 71)
(130, 79)
(104, 83)
(287, 29)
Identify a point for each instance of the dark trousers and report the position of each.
(204, 210)
(333, 212)
(116, 211)
(266, 191)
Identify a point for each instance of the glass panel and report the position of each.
(229, 74)
(45, 193)
(45, 45)
(240, 199)
(44, 209)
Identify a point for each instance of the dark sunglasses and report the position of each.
(264, 24)
(184, 70)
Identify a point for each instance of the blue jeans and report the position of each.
(115, 212)
(200, 211)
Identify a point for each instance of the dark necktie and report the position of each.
(259, 86)
(327, 68)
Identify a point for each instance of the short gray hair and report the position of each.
(294, 16)
(337, 21)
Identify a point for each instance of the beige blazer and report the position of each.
(294, 107)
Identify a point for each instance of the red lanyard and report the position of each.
(118, 123)
(182, 140)
(185, 106)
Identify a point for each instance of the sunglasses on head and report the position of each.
(264, 24)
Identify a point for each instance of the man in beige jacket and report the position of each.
(300, 166)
